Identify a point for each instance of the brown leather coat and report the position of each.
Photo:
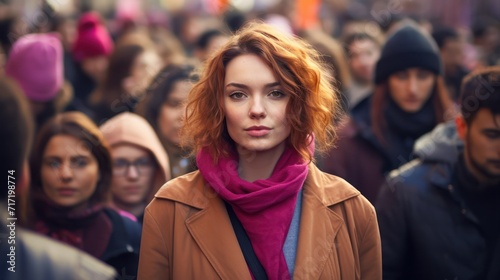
(187, 233)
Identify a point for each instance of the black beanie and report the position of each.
(407, 47)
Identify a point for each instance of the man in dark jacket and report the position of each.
(439, 215)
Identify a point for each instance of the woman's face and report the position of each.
(170, 118)
(144, 68)
(255, 105)
(69, 171)
(411, 88)
(133, 173)
(95, 67)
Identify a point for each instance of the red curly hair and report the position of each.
(313, 100)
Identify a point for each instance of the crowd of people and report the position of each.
(247, 147)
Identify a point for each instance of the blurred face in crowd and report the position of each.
(411, 88)
(482, 145)
(363, 55)
(144, 68)
(95, 67)
(452, 54)
(133, 172)
(213, 45)
(69, 171)
(255, 105)
(68, 32)
(172, 112)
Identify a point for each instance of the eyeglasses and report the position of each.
(144, 166)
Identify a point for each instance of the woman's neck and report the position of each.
(254, 165)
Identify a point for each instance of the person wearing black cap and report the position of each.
(439, 214)
(409, 100)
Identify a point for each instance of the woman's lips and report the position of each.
(66, 191)
(132, 189)
(258, 131)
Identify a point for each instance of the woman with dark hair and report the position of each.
(409, 100)
(131, 68)
(164, 107)
(258, 208)
(71, 176)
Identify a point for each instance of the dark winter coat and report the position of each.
(427, 230)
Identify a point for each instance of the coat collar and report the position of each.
(327, 189)
(220, 245)
(318, 224)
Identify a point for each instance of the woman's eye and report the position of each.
(53, 163)
(143, 162)
(276, 94)
(79, 162)
(237, 95)
(173, 104)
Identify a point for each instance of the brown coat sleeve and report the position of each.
(153, 259)
(370, 250)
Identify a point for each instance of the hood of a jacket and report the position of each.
(442, 144)
(130, 128)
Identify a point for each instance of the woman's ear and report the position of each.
(462, 127)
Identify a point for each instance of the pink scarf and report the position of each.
(264, 207)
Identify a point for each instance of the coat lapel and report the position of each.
(212, 231)
(318, 228)
(319, 225)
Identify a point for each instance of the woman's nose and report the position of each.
(65, 172)
(257, 108)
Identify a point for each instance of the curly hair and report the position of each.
(301, 73)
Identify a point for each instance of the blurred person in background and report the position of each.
(409, 100)
(486, 38)
(234, 19)
(71, 174)
(363, 52)
(439, 215)
(168, 46)
(29, 255)
(208, 43)
(131, 68)
(333, 54)
(12, 27)
(451, 48)
(140, 163)
(36, 64)
(91, 50)
(187, 26)
(165, 107)
(65, 26)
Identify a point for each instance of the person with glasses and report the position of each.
(140, 163)
(69, 196)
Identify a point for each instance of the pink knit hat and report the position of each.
(92, 38)
(36, 63)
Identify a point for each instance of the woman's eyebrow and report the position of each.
(243, 86)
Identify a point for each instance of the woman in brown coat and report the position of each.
(258, 207)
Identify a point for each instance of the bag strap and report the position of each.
(246, 246)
